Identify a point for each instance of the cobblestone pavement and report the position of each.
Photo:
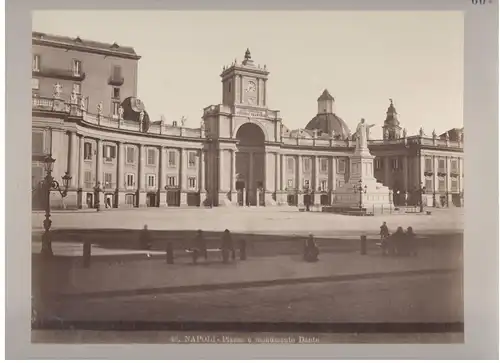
(423, 298)
(253, 220)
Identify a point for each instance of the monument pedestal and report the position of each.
(362, 192)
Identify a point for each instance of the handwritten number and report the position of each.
(480, 2)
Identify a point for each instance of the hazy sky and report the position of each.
(362, 58)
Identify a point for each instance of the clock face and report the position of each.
(251, 87)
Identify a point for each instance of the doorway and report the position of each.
(151, 199)
(90, 200)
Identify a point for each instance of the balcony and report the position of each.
(116, 81)
(58, 73)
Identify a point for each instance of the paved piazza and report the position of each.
(254, 220)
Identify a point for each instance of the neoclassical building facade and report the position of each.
(86, 114)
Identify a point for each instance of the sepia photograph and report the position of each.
(197, 179)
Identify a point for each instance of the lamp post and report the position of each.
(421, 192)
(361, 190)
(49, 184)
(97, 191)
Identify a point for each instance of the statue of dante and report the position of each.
(362, 133)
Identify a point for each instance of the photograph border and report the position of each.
(481, 213)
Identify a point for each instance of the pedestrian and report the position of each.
(200, 244)
(384, 235)
(145, 238)
(397, 241)
(311, 250)
(227, 246)
(411, 242)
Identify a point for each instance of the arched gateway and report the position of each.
(250, 164)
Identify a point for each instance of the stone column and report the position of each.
(234, 195)
(387, 172)
(300, 187)
(182, 177)
(73, 159)
(449, 193)
(316, 184)
(120, 166)
(435, 181)
(99, 176)
(277, 174)
(203, 191)
(81, 163)
(405, 173)
(283, 182)
(333, 178)
(162, 169)
(141, 177)
(251, 184)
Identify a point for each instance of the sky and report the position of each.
(362, 58)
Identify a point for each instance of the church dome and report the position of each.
(328, 123)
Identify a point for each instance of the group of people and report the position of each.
(402, 243)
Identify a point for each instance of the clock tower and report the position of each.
(244, 84)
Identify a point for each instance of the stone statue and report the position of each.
(434, 134)
(333, 134)
(74, 98)
(362, 134)
(162, 119)
(120, 112)
(141, 116)
(82, 103)
(183, 121)
(421, 132)
(99, 108)
(404, 133)
(57, 90)
(447, 136)
(315, 134)
(386, 134)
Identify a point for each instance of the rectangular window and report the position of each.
(108, 180)
(341, 166)
(191, 159)
(130, 180)
(395, 164)
(36, 63)
(323, 165)
(442, 185)
(151, 180)
(87, 179)
(109, 152)
(77, 88)
(307, 165)
(192, 183)
(428, 184)
(116, 108)
(441, 166)
(323, 185)
(116, 92)
(87, 151)
(35, 83)
(36, 174)
(454, 184)
(454, 166)
(428, 164)
(117, 73)
(171, 158)
(77, 67)
(130, 155)
(290, 166)
(290, 183)
(151, 157)
(37, 142)
(172, 181)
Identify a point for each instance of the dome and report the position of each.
(328, 122)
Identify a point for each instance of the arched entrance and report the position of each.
(250, 165)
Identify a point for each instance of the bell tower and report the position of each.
(244, 84)
(391, 129)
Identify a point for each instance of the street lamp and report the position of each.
(97, 191)
(49, 184)
(361, 190)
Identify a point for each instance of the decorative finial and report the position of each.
(247, 54)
